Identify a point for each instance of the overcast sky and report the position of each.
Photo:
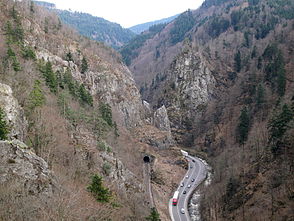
(129, 12)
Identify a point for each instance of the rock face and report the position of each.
(161, 120)
(113, 85)
(186, 88)
(194, 82)
(14, 113)
(21, 166)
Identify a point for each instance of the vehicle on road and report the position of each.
(182, 184)
(191, 167)
(175, 198)
(193, 180)
(185, 192)
(189, 186)
(187, 177)
(193, 161)
(183, 211)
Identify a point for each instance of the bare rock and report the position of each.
(14, 113)
(19, 164)
(161, 120)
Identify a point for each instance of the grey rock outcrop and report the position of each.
(161, 120)
(14, 113)
(20, 166)
(112, 85)
(193, 81)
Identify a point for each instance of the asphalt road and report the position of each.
(196, 171)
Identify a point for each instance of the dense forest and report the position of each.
(97, 28)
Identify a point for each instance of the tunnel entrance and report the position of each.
(146, 159)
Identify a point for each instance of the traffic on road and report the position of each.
(196, 173)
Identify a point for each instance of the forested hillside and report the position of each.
(130, 50)
(96, 28)
(225, 74)
(145, 26)
(93, 27)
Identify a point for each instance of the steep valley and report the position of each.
(76, 122)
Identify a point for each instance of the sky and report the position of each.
(128, 13)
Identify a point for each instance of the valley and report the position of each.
(79, 112)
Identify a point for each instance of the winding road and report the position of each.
(195, 175)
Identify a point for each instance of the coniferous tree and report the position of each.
(36, 97)
(101, 193)
(243, 126)
(50, 77)
(84, 67)
(106, 113)
(238, 61)
(68, 56)
(154, 215)
(85, 96)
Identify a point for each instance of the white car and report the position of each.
(189, 186)
(187, 176)
(183, 211)
(182, 184)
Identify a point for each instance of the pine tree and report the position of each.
(68, 56)
(85, 96)
(243, 126)
(154, 215)
(4, 129)
(238, 61)
(106, 113)
(36, 97)
(84, 67)
(50, 77)
(96, 187)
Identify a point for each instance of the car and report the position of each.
(187, 177)
(189, 186)
(185, 192)
(193, 161)
(191, 167)
(182, 184)
(183, 211)
(193, 180)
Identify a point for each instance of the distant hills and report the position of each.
(145, 26)
(112, 34)
(97, 28)
(45, 4)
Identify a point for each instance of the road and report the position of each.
(147, 181)
(196, 171)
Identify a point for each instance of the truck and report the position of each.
(175, 198)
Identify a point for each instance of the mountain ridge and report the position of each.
(145, 26)
(93, 27)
